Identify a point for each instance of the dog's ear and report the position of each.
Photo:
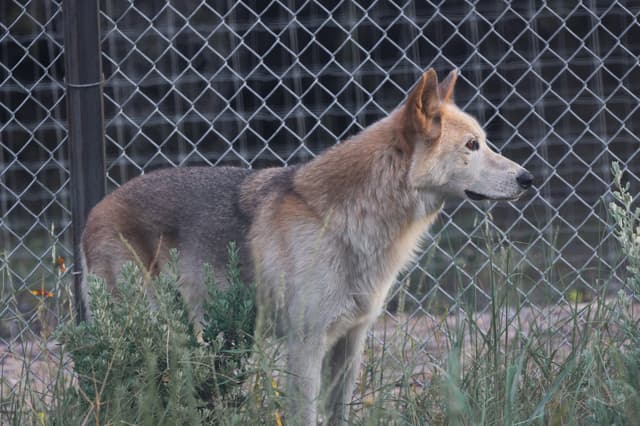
(445, 88)
(422, 109)
(424, 97)
(430, 99)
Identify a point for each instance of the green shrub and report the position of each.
(142, 365)
(624, 357)
(229, 323)
(627, 222)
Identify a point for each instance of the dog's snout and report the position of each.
(525, 179)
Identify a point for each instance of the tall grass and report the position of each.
(576, 364)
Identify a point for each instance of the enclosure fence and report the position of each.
(273, 83)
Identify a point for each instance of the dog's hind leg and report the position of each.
(304, 365)
(193, 286)
(343, 365)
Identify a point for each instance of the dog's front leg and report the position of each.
(343, 365)
(304, 366)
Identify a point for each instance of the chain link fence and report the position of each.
(264, 83)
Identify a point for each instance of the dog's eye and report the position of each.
(472, 144)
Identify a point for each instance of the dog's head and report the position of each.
(450, 154)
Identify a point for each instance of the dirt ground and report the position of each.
(418, 341)
(31, 365)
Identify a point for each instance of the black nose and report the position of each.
(525, 179)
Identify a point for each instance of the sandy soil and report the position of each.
(31, 365)
(418, 341)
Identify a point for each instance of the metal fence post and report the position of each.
(85, 115)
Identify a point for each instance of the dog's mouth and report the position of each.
(479, 197)
(475, 196)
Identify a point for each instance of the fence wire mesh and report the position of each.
(262, 83)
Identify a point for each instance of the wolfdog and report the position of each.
(323, 241)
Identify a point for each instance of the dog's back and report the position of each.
(194, 209)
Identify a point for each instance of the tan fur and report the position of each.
(323, 241)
